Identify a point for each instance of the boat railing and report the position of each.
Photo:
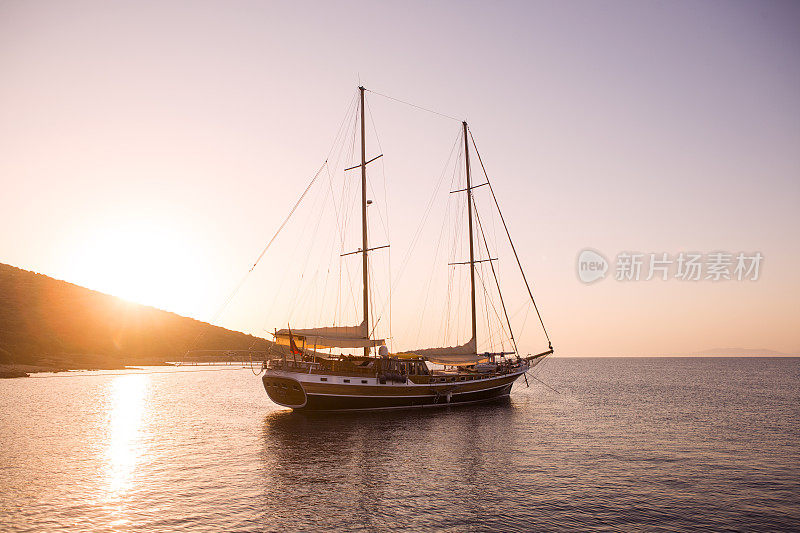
(293, 366)
(345, 368)
(331, 367)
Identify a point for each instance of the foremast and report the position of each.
(357, 336)
(474, 338)
(364, 238)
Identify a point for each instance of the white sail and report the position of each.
(328, 337)
(464, 354)
(457, 360)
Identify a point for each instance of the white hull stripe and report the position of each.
(399, 397)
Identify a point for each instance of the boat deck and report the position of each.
(415, 371)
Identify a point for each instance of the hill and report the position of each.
(52, 323)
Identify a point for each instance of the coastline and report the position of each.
(15, 370)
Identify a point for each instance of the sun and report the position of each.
(144, 261)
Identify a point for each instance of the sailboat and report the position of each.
(308, 379)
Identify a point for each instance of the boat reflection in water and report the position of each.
(360, 470)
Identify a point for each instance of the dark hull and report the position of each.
(318, 402)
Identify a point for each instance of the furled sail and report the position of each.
(464, 354)
(328, 337)
(457, 360)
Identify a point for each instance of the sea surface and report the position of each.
(645, 444)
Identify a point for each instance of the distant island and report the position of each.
(742, 352)
(47, 325)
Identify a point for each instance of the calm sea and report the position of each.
(627, 445)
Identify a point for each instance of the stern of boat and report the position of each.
(285, 391)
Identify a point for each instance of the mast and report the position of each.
(471, 247)
(364, 227)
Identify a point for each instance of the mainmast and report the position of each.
(471, 247)
(365, 323)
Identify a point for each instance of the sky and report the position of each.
(151, 149)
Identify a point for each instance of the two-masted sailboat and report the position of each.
(307, 378)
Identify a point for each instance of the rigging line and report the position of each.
(522, 306)
(341, 129)
(346, 207)
(525, 320)
(303, 248)
(508, 234)
(428, 210)
(301, 297)
(384, 224)
(442, 235)
(487, 298)
(543, 383)
(294, 208)
(414, 105)
(386, 206)
(426, 214)
(494, 309)
(453, 236)
(458, 242)
(451, 272)
(448, 299)
(376, 295)
(251, 366)
(351, 118)
(286, 220)
(480, 271)
(497, 282)
(428, 286)
(341, 142)
(389, 276)
(445, 329)
(339, 149)
(323, 303)
(383, 174)
(340, 224)
(439, 241)
(340, 229)
(260, 256)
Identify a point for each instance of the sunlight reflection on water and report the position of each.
(128, 401)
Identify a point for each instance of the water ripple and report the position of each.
(630, 444)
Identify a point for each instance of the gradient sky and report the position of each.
(150, 149)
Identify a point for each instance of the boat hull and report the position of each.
(351, 403)
(302, 395)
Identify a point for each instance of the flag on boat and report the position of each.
(292, 346)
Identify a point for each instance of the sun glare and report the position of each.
(125, 418)
(143, 262)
